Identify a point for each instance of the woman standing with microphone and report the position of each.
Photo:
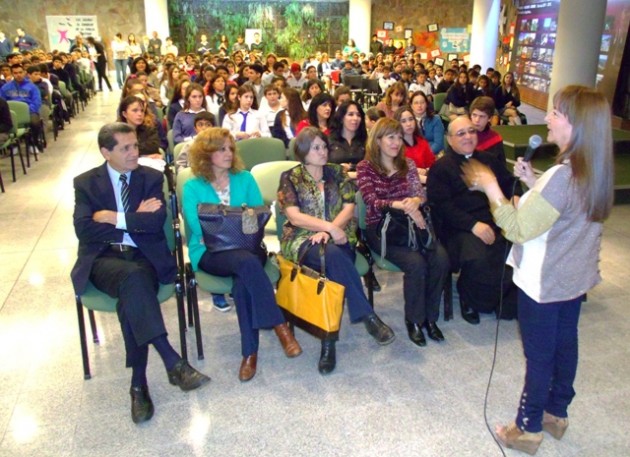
(556, 229)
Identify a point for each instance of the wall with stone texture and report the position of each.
(417, 14)
(125, 16)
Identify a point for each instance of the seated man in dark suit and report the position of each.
(475, 245)
(119, 216)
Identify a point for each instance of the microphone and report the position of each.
(534, 142)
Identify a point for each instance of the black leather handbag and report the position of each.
(226, 228)
(398, 229)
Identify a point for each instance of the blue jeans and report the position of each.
(121, 71)
(340, 269)
(254, 298)
(550, 341)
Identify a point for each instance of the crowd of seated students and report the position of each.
(253, 95)
(29, 74)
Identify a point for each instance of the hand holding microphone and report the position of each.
(523, 168)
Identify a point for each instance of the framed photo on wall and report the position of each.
(388, 25)
(451, 57)
(439, 61)
(408, 33)
(432, 27)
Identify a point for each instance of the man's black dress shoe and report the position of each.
(186, 377)
(433, 331)
(328, 357)
(141, 404)
(378, 329)
(415, 333)
(470, 315)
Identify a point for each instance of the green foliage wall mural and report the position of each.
(289, 28)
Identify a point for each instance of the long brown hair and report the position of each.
(294, 108)
(590, 148)
(396, 88)
(206, 143)
(383, 127)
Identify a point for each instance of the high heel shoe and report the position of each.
(514, 438)
(328, 357)
(287, 340)
(554, 425)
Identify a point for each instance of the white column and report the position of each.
(580, 27)
(156, 18)
(484, 38)
(360, 18)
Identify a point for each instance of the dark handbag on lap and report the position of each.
(398, 229)
(226, 228)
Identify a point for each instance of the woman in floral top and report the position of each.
(318, 201)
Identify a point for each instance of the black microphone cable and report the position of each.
(496, 341)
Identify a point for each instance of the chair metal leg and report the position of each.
(93, 327)
(193, 303)
(82, 339)
(370, 286)
(181, 316)
(448, 297)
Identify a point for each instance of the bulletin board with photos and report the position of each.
(535, 41)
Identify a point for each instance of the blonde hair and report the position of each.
(590, 148)
(383, 127)
(208, 142)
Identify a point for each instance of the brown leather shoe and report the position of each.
(248, 368)
(287, 340)
(554, 425)
(514, 438)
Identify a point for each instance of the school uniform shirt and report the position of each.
(254, 121)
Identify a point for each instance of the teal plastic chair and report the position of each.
(267, 176)
(260, 150)
(210, 283)
(23, 113)
(95, 300)
(13, 141)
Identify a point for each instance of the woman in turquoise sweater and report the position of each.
(220, 178)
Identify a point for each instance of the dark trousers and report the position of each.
(481, 269)
(423, 277)
(130, 277)
(101, 71)
(550, 341)
(36, 128)
(340, 269)
(253, 293)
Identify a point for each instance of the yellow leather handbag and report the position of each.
(309, 299)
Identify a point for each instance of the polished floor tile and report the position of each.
(397, 400)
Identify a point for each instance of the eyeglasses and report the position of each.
(462, 133)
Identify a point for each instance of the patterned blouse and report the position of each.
(298, 188)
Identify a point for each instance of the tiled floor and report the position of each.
(398, 400)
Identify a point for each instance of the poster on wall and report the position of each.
(63, 29)
(455, 40)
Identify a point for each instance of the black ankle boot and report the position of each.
(378, 329)
(328, 357)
